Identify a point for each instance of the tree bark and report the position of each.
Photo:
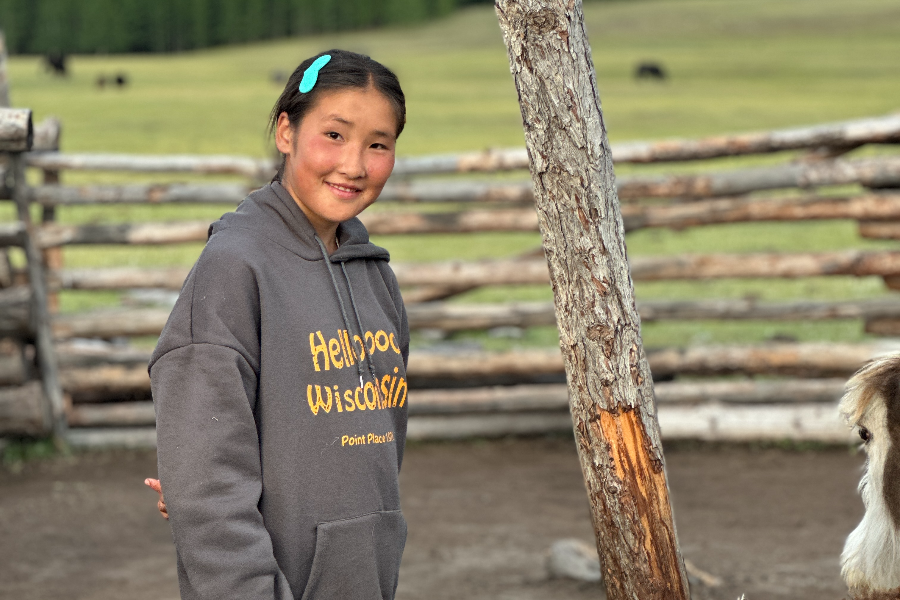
(610, 386)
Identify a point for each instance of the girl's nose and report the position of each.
(353, 164)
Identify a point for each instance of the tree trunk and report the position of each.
(610, 386)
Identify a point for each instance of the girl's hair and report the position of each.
(345, 70)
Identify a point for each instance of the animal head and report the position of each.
(870, 562)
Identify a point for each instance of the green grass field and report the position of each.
(735, 65)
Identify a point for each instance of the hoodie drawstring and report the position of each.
(344, 314)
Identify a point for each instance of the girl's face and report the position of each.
(339, 157)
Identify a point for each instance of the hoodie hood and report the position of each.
(272, 213)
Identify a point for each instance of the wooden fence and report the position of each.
(106, 388)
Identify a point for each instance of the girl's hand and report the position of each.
(154, 485)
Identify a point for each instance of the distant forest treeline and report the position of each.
(89, 26)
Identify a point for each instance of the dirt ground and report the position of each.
(770, 523)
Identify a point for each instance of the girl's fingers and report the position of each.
(153, 484)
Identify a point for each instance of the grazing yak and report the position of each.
(870, 563)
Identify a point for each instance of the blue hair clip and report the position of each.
(311, 74)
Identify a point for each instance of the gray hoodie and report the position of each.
(279, 384)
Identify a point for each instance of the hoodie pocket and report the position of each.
(357, 559)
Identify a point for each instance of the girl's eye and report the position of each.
(865, 434)
(333, 135)
(379, 146)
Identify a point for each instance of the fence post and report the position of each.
(610, 388)
(52, 257)
(16, 136)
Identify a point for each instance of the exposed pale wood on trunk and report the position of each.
(40, 316)
(742, 210)
(22, 410)
(611, 390)
(16, 130)
(259, 169)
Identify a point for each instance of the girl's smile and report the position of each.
(339, 157)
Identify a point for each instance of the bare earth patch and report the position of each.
(769, 523)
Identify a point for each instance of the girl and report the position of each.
(279, 381)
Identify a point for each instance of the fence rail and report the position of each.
(455, 395)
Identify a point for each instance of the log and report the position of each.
(12, 366)
(254, 168)
(111, 323)
(744, 210)
(884, 325)
(857, 263)
(718, 422)
(750, 309)
(40, 315)
(139, 438)
(459, 317)
(15, 312)
(46, 135)
(108, 381)
(176, 232)
(16, 130)
(115, 414)
(162, 193)
(722, 423)
(845, 134)
(170, 278)
(471, 221)
(383, 223)
(791, 359)
(463, 275)
(544, 400)
(881, 172)
(78, 354)
(11, 234)
(880, 230)
(22, 410)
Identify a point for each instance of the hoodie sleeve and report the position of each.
(204, 381)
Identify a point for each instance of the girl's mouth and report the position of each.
(344, 190)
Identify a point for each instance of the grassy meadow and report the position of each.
(734, 65)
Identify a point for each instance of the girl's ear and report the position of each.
(284, 134)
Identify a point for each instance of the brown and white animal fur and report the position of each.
(870, 563)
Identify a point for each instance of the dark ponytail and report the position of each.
(344, 70)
